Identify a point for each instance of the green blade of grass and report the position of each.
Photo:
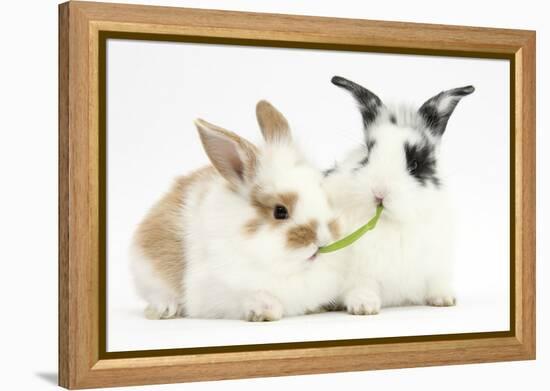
(355, 235)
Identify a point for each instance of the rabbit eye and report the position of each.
(280, 212)
(413, 166)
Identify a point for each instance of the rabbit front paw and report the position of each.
(166, 310)
(441, 301)
(363, 302)
(263, 307)
(440, 293)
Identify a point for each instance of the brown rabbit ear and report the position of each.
(273, 124)
(234, 157)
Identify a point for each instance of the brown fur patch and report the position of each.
(302, 235)
(264, 203)
(160, 235)
(252, 226)
(261, 202)
(289, 200)
(334, 228)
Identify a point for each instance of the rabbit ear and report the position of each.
(369, 103)
(234, 157)
(273, 124)
(437, 110)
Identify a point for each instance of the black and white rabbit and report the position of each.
(407, 259)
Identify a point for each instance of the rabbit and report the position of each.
(240, 239)
(407, 258)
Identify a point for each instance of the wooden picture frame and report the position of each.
(83, 30)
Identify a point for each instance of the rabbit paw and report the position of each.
(363, 302)
(162, 311)
(440, 293)
(441, 301)
(263, 307)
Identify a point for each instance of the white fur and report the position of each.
(407, 258)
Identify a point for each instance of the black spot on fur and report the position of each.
(369, 103)
(363, 162)
(421, 163)
(393, 119)
(330, 171)
(370, 145)
(435, 118)
(431, 116)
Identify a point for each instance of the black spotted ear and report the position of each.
(436, 111)
(369, 103)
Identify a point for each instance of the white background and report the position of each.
(28, 161)
(155, 90)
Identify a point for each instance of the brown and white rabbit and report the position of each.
(240, 239)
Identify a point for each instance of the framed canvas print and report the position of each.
(247, 195)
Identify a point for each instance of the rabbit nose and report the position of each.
(379, 195)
